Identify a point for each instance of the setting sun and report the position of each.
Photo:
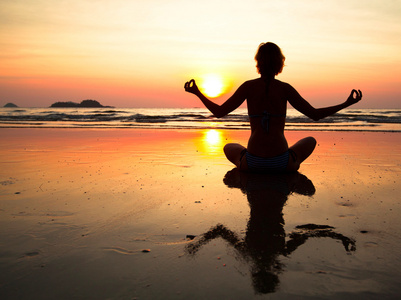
(212, 85)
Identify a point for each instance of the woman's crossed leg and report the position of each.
(299, 152)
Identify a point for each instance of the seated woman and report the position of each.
(267, 98)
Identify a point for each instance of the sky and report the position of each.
(139, 53)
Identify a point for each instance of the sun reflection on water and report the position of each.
(213, 137)
(211, 142)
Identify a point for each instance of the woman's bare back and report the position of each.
(267, 107)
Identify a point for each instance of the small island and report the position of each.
(84, 103)
(10, 105)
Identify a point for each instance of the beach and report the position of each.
(161, 214)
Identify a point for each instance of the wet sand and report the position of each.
(161, 214)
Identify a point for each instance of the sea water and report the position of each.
(386, 120)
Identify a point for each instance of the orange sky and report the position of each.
(139, 53)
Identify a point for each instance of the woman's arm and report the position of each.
(218, 110)
(316, 114)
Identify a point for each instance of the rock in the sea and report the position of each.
(10, 105)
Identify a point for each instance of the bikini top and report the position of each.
(266, 118)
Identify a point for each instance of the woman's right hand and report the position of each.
(191, 87)
(354, 97)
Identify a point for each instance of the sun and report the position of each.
(212, 85)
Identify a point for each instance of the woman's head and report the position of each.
(269, 59)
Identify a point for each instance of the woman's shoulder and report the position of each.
(284, 86)
(249, 85)
(252, 81)
(282, 83)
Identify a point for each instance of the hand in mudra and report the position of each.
(191, 87)
(354, 97)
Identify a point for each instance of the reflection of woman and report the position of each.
(267, 104)
(264, 239)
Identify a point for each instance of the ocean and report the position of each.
(384, 120)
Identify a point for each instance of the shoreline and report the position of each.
(197, 128)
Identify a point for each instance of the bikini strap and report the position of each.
(266, 119)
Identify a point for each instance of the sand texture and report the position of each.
(161, 214)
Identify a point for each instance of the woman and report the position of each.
(267, 98)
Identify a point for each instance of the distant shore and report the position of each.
(84, 103)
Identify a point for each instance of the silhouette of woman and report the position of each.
(265, 238)
(267, 97)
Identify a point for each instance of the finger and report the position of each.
(357, 96)
(187, 85)
(360, 93)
